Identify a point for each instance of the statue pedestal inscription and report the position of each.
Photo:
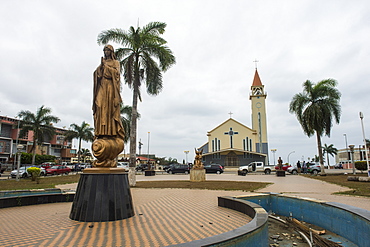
(103, 194)
(197, 175)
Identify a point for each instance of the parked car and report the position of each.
(313, 168)
(214, 168)
(178, 168)
(47, 165)
(142, 167)
(124, 165)
(84, 165)
(284, 167)
(166, 167)
(73, 166)
(56, 170)
(255, 166)
(293, 170)
(23, 172)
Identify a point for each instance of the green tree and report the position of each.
(85, 152)
(40, 123)
(143, 57)
(329, 150)
(316, 108)
(82, 133)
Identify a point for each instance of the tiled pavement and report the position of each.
(162, 217)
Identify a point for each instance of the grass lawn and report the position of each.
(51, 181)
(45, 182)
(356, 188)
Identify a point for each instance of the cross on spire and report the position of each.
(230, 113)
(255, 62)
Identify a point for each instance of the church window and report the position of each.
(213, 145)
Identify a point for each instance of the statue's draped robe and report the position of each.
(107, 100)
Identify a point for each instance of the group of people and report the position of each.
(302, 168)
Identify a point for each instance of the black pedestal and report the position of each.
(280, 173)
(149, 173)
(102, 197)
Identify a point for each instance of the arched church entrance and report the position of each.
(232, 159)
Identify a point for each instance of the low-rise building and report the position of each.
(9, 140)
(344, 158)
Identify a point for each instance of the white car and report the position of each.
(23, 172)
(124, 165)
(293, 170)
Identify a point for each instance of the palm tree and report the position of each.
(85, 152)
(329, 150)
(315, 108)
(41, 125)
(83, 132)
(143, 57)
(126, 113)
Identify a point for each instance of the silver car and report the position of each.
(23, 172)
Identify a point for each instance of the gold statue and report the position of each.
(109, 133)
(198, 165)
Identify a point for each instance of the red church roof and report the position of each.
(256, 81)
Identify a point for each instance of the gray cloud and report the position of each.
(49, 52)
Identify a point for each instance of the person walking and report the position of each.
(299, 166)
(304, 166)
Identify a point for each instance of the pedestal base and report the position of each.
(280, 173)
(197, 175)
(102, 196)
(149, 173)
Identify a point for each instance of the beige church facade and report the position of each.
(232, 143)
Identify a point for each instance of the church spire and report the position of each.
(256, 81)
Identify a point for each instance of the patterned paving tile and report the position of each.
(162, 217)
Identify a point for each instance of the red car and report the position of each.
(55, 170)
(47, 165)
(285, 167)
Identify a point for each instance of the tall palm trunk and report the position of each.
(79, 151)
(33, 152)
(132, 177)
(319, 148)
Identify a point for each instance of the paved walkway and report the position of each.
(162, 216)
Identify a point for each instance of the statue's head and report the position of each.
(110, 48)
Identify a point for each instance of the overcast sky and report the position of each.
(49, 52)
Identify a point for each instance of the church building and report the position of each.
(232, 143)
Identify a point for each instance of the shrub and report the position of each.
(35, 172)
(26, 158)
(361, 165)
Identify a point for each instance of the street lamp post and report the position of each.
(289, 155)
(148, 147)
(16, 144)
(186, 156)
(273, 152)
(19, 149)
(345, 138)
(351, 148)
(363, 134)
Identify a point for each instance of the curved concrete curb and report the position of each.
(255, 233)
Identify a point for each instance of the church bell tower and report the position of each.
(259, 121)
